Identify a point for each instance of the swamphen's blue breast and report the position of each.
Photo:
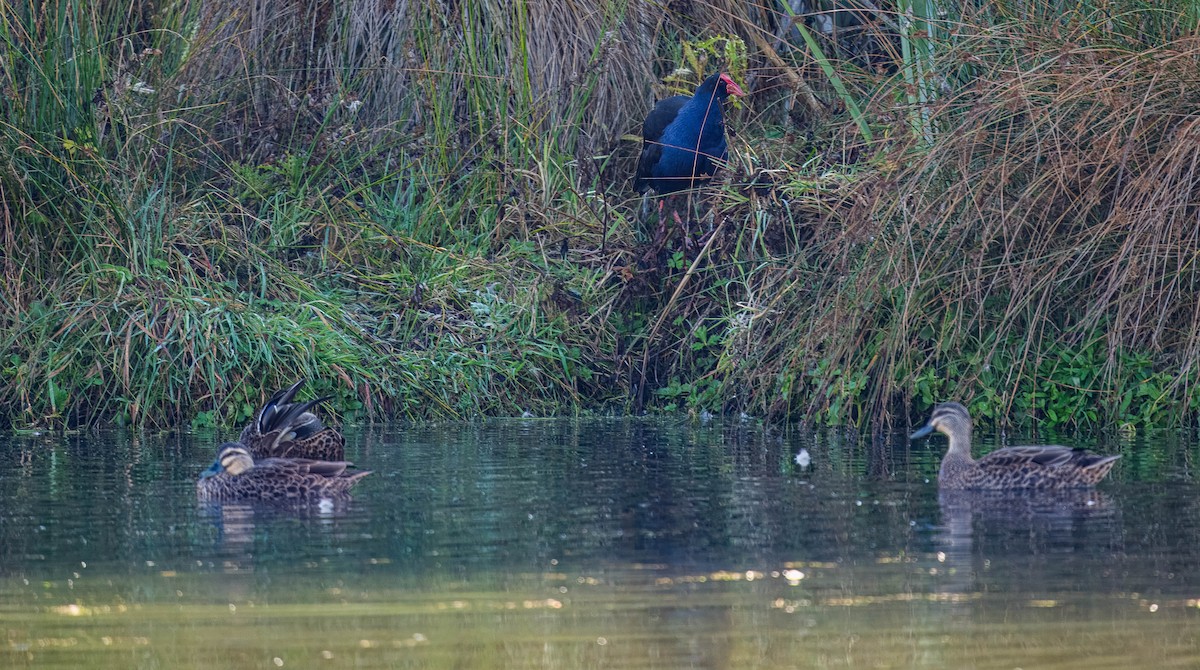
(683, 139)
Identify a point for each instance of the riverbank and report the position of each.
(997, 208)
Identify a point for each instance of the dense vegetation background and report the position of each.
(425, 208)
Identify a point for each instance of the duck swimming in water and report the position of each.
(235, 475)
(1041, 467)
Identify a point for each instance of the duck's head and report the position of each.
(949, 418)
(232, 458)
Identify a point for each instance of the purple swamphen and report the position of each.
(683, 138)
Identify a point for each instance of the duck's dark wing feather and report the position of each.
(1047, 456)
(287, 429)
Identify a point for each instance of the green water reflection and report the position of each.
(593, 544)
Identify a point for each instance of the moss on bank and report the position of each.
(196, 213)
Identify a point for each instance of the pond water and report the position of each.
(593, 544)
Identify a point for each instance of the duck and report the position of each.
(283, 428)
(1036, 467)
(236, 475)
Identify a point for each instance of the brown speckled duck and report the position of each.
(235, 475)
(286, 429)
(1040, 467)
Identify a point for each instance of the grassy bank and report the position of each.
(428, 213)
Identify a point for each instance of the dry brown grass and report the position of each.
(1055, 214)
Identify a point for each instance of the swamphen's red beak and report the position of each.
(732, 86)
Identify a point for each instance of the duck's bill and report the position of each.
(922, 432)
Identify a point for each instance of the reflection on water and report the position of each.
(565, 544)
(1031, 529)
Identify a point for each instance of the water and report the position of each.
(593, 544)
